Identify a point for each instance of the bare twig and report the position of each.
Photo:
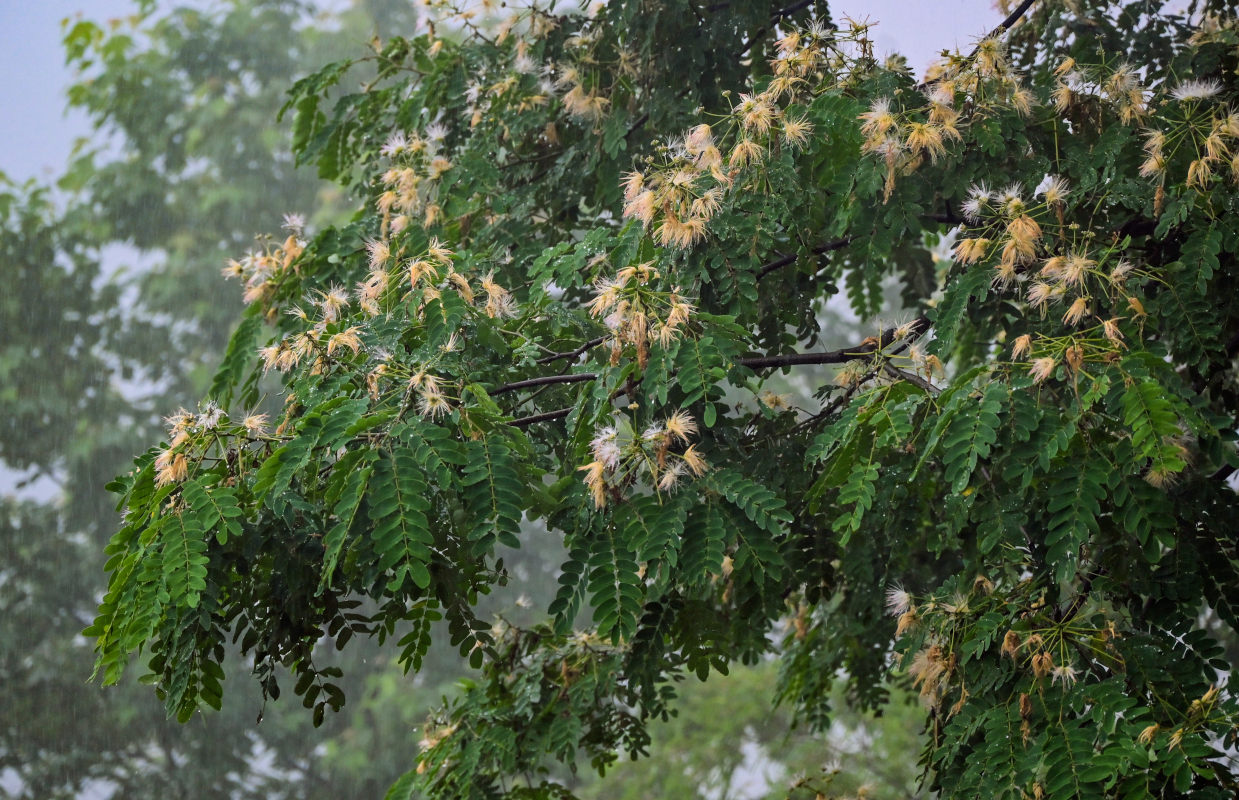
(571, 354)
(783, 261)
(545, 416)
(574, 377)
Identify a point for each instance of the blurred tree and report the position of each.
(187, 164)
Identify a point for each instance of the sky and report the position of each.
(36, 134)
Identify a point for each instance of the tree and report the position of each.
(93, 352)
(584, 243)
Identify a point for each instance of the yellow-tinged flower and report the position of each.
(1199, 173)
(436, 250)
(681, 425)
(926, 138)
(462, 285)
(1041, 293)
(171, 467)
(744, 153)
(633, 182)
(255, 424)
(1154, 166)
(379, 252)
(878, 119)
(698, 140)
(695, 462)
(755, 113)
(796, 131)
(1111, 330)
(1042, 368)
(968, 251)
(1148, 734)
(587, 105)
(680, 232)
(1055, 191)
(1076, 312)
(345, 338)
(1024, 228)
(433, 404)
(1042, 664)
(1074, 357)
(642, 206)
(332, 302)
(1011, 644)
(438, 166)
(596, 482)
(1022, 346)
(418, 269)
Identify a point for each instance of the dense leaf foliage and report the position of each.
(585, 242)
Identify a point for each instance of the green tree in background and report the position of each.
(583, 237)
(190, 166)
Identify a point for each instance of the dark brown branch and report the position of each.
(800, 359)
(868, 347)
(571, 354)
(1010, 21)
(775, 18)
(575, 377)
(783, 261)
(912, 378)
(545, 416)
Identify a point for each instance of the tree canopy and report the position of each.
(585, 243)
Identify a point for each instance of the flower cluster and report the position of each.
(679, 195)
(622, 457)
(262, 270)
(411, 184)
(1196, 130)
(1043, 649)
(1078, 88)
(906, 138)
(191, 435)
(636, 313)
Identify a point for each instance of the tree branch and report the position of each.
(545, 416)
(783, 261)
(912, 378)
(868, 347)
(1010, 21)
(575, 377)
(775, 18)
(571, 354)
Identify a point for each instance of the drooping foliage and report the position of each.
(583, 242)
(100, 340)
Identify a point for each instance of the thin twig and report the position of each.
(1009, 22)
(543, 417)
(912, 378)
(775, 18)
(868, 347)
(571, 354)
(574, 377)
(783, 261)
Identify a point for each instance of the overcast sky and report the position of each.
(36, 135)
